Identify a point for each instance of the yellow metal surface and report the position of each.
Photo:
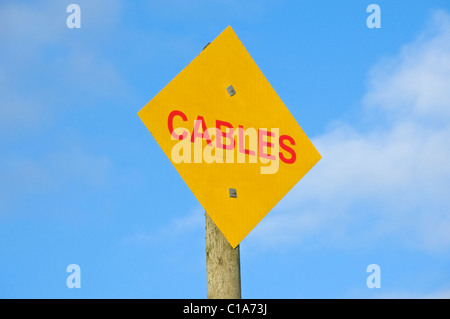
(197, 100)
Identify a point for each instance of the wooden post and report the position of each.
(223, 270)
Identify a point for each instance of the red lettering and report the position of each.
(196, 133)
(170, 124)
(262, 143)
(242, 142)
(288, 149)
(228, 135)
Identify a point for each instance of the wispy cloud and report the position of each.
(44, 64)
(392, 179)
(438, 294)
(176, 228)
(207, 11)
(416, 82)
(54, 173)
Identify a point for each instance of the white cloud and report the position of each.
(15, 111)
(55, 171)
(207, 10)
(32, 179)
(391, 181)
(180, 226)
(29, 24)
(438, 294)
(39, 52)
(417, 81)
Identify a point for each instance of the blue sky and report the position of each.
(83, 182)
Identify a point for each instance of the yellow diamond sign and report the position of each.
(229, 136)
